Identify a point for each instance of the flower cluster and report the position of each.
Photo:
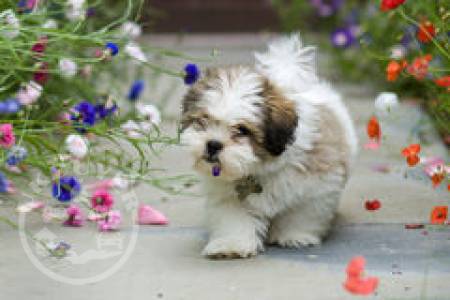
(64, 104)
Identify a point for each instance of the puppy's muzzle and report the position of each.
(212, 150)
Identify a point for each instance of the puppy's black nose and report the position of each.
(213, 147)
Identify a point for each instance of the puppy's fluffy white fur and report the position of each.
(301, 182)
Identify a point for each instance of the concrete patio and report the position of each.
(165, 262)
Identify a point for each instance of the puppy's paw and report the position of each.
(226, 248)
(294, 239)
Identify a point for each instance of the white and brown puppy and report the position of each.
(273, 145)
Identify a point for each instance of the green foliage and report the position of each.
(38, 127)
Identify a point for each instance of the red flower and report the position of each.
(443, 81)
(426, 32)
(439, 215)
(355, 282)
(372, 204)
(390, 4)
(412, 154)
(41, 75)
(419, 67)
(40, 46)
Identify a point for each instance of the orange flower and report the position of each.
(443, 81)
(439, 215)
(437, 178)
(419, 67)
(356, 283)
(412, 154)
(426, 32)
(374, 133)
(393, 69)
(373, 129)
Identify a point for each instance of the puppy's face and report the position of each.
(234, 119)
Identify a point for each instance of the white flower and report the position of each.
(398, 52)
(119, 182)
(385, 102)
(130, 30)
(149, 113)
(12, 24)
(134, 51)
(132, 129)
(68, 67)
(77, 145)
(29, 93)
(75, 10)
(50, 24)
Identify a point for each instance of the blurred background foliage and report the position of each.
(363, 40)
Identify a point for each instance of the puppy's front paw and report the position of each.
(230, 248)
(294, 239)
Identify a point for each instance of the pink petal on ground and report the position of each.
(372, 145)
(147, 215)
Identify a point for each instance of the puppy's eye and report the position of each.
(200, 123)
(243, 130)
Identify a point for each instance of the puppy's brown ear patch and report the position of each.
(280, 122)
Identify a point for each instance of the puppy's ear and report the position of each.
(280, 122)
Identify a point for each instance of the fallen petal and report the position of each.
(147, 215)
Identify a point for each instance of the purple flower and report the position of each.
(326, 8)
(105, 110)
(9, 106)
(66, 188)
(16, 155)
(4, 183)
(136, 90)
(192, 73)
(342, 38)
(83, 115)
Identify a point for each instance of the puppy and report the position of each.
(273, 145)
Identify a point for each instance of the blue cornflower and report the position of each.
(192, 74)
(9, 106)
(104, 110)
(66, 188)
(342, 38)
(16, 155)
(136, 90)
(3, 183)
(113, 48)
(83, 116)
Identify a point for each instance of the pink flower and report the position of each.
(111, 221)
(75, 216)
(7, 138)
(102, 201)
(29, 93)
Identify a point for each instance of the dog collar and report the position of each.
(246, 186)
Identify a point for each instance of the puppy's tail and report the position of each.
(289, 64)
